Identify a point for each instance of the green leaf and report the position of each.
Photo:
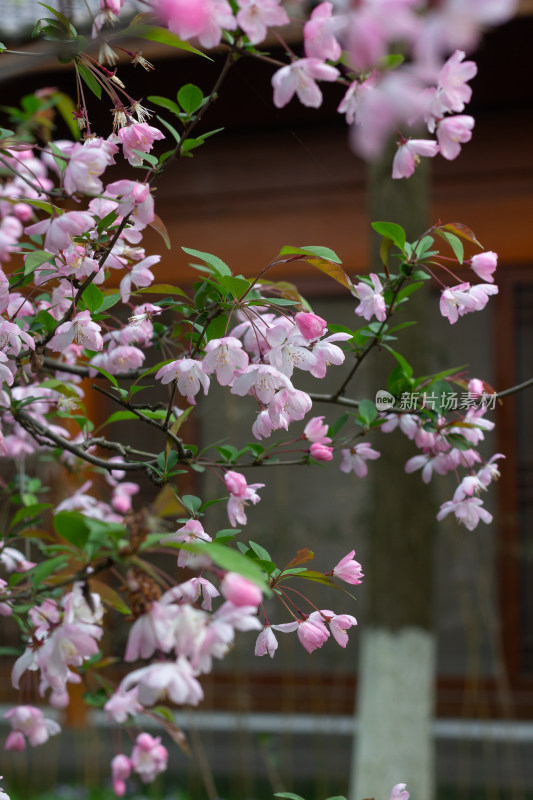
(156, 34)
(45, 319)
(314, 250)
(89, 79)
(149, 157)
(108, 301)
(288, 795)
(29, 513)
(36, 259)
(91, 299)
(96, 699)
(260, 551)
(42, 571)
(237, 285)
(107, 375)
(71, 525)
(407, 291)
(318, 577)
(461, 230)
(367, 412)
(214, 262)
(406, 367)
(391, 61)
(217, 327)
(170, 128)
(161, 288)
(231, 560)
(165, 102)
(191, 503)
(59, 157)
(454, 242)
(2, 47)
(398, 381)
(392, 231)
(190, 98)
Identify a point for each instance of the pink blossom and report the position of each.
(242, 494)
(134, 197)
(225, 357)
(490, 471)
(289, 350)
(148, 757)
(338, 624)
(152, 631)
(484, 265)
(13, 560)
(468, 511)
(310, 325)
(255, 16)
(261, 380)
(86, 163)
(300, 77)
(123, 359)
(349, 570)
(189, 375)
(240, 591)
(399, 792)
(121, 703)
(327, 353)
(452, 91)
(10, 233)
(121, 500)
(408, 154)
(80, 330)
(120, 771)
(3, 795)
(321, 452)
(59, 230)
(356, 457)
(312, 632)
(287, 406)
(372, 300)
(263, 425)
(266, 643)
(441, 463)
(166, 680)
(316, 431)
(452, 132)
(192, 531)
(139, 136)
(319, 40)
(140, 276)
(31, 722)
(185, 18)
(219, 16)
(456, 301)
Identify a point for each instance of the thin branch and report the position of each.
(41, 433)
(182, 452)
(514, 389)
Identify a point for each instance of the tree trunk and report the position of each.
(396, 670)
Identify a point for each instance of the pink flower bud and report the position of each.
(236, 483)
(240, 591)
(475, 386)
(321, 452)
(186, 18)
(310, 325)
(15, 741)
(484, 265)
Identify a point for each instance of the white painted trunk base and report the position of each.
(396, 706)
